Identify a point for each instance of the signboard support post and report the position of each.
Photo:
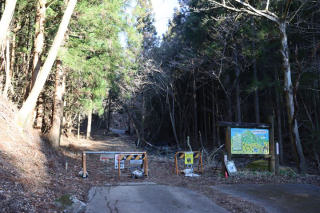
(277, 159)
(228, 142)
(272, 148)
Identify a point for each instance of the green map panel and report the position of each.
(249, 141)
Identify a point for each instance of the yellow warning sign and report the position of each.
(188, 159)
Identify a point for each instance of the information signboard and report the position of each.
(249, 141)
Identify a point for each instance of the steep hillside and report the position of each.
(22, 162)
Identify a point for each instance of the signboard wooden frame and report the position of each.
(270, 156)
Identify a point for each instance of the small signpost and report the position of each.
(231, 168)
(189, 158)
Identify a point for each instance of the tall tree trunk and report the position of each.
(315, 101)
(129, 126)
(214, 135)
(172, 116)
(228, 99)
(256, 93)
(109, 113)
(36, 55)
(6, 20)
(39, 114)
(57, 115)
(195, 110)
(314, 128)
(316, 139)
(278, 114)
(143, 117)
(204, 111)
(215, 110)
(28, 44)
(39, 40)
(25, 113)
(13, 55)
(238, 100)
(8, 72)
(134, 125)
(89, 115)
(288, 88)
(255, 77)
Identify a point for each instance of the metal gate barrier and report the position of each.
(120, 157)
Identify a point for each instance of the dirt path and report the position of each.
(116, 141)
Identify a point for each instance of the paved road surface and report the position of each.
(274, 198)
(148, 198)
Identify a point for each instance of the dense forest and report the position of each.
(70, 64)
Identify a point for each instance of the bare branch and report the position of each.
(286, 11)
(297, 11)
(247, 8)
(267, 14)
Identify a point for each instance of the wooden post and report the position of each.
(201, 164)
(119, 171)
(277, 171)
(176, 163)
(271, 146)
(228, 142)
(146, 162)
(84, 164)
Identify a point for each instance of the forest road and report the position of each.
(148, 197)
(293, 198)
